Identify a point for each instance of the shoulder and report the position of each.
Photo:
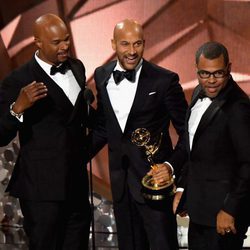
(234, 94)
(106, 67)
(76, 62)
(19, 75)
(156, 69)
(104, 71)
(236, 102)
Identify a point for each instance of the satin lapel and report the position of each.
(208, 116)
(80, 78)
(143, 88)
(194, 99)
(106, 73)
(212, 110)
(188, 113)
(78, 73)
(54, 91)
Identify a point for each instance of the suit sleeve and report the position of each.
(9, 124)
(176, 104)
(239, 130)
(99, 133)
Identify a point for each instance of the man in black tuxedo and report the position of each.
(43, 101)
(216, 178)
(148, 98)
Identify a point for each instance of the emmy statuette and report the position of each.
(150, 189)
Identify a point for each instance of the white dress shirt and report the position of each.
(122, 95)
(66, 82)
(197, 112)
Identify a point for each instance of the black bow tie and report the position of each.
(120, 75)
(61, 69)
(203, 95)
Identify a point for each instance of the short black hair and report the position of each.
(212, 50)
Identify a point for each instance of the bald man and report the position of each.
(147, 96)
(43, 102)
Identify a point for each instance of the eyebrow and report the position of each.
(58, 39)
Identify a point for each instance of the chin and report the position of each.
(62, 59)
(130, 66)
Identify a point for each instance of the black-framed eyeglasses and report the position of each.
(216, 74)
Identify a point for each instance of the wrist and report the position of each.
(15, 112)
(169, 166)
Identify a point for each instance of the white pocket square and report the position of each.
(152, 93)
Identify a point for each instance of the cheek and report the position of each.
(222, 84)
(52, 51)
(202, 82)
(140, 51)
(120, 54)
(122, 51)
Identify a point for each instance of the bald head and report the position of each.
(45, 22)
(128, 43)
(52, 38)
(127, 25)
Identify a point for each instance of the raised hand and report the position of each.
(29, 95)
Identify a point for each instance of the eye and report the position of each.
(203, 74)
(138, 44)
(55, 42)
(67, 39)
(124, 43)
(219, 73)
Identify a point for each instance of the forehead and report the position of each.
(211, 64)
(128, 34)
(54, 32)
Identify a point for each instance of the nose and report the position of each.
(65, 45)
(212, 79)
(132, 49)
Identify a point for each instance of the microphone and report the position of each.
(88, 96)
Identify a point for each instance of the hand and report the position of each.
(29, 95)
(225, 223)
(162, 173)
(176, 201)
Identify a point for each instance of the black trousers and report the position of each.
(145, 226)
(202, 237)
(57, 225)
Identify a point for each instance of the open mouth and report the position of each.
(63, 54)
(212, 89)
(131, 60)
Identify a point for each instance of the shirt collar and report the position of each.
(45, 66)
(119, 67)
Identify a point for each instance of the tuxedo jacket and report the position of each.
(159, 99)
(218, 172)
(52, 137)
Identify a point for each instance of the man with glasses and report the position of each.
(216, 177)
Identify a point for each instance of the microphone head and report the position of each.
(88, 96)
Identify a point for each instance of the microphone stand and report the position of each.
(91, 199)
(89, 98)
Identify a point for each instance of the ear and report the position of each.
(229, 67)
(196, 67)
(113, 44)
(38, 42)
